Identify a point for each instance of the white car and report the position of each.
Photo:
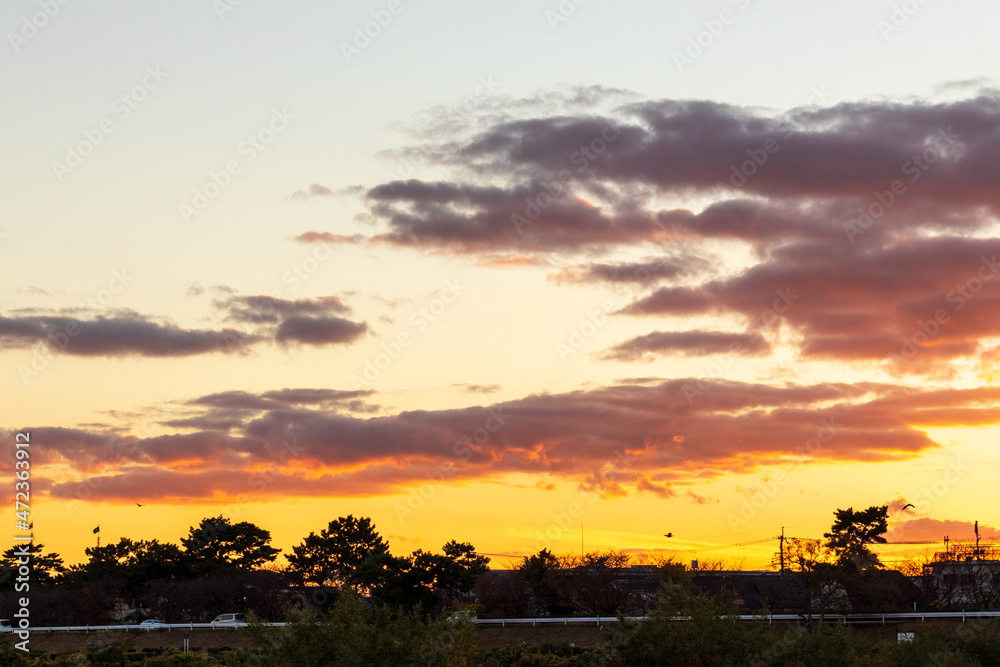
(230, 620)
(462, 616)
(152, 623)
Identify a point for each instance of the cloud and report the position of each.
(594, 177)
(686, 343)
(229, 410)
(314, 396)
(314, 190)
(327, 238)
(300, 322)
(926, 528)
(914, 305)
(655, 438)
(319, 330)
(271, 309)
(638, 273)
(479, 388)
(125, 334)
(869, 225)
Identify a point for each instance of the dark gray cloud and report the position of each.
(300, 321)
(228, 410)
(319, 330)
(125, 333)
(636, 273)
(119, 335)
(589, 179)
(271, 309)
(479, 388)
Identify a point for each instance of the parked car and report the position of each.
(5, 625)
(230, 620)
(462, 616)
(152, 623)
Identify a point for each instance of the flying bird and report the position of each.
(139, 504)
(908, 505)
(669, 535)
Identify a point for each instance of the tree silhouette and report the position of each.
(217, 544)
(541, 573)
(45, 568)
(852, 532)
(336, 554)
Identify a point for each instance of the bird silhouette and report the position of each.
(669, 535)
(139, 504)
(908, 505)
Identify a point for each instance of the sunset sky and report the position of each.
(490, 271)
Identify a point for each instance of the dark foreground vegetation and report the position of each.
(348, 601)
(352, 633)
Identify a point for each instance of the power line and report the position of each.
(727, 546)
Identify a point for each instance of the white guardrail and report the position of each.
(846, 619)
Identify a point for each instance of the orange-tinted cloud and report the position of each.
(650, 437)
(925, 528)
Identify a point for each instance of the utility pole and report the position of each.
(947, 556)
(977, 541)
(781, 551)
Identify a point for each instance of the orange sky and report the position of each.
(480, 299)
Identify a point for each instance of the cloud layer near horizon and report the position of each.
(657, 438)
